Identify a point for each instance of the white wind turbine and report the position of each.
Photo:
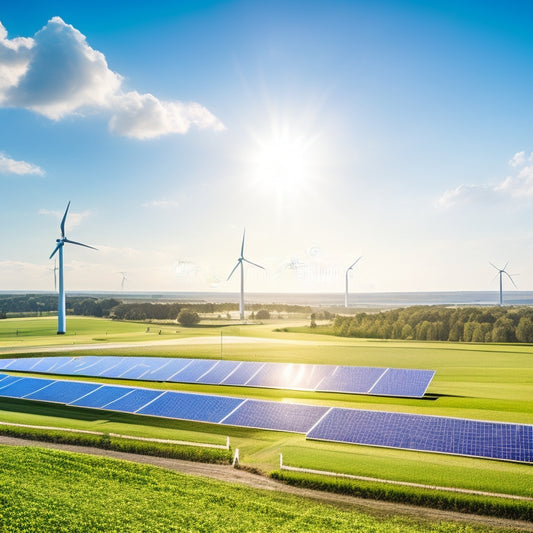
(347, 274)
(502, 271)
(124, 279)
(240, 262)
(61, 311)
(54, 270)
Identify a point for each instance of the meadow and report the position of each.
(488, 381)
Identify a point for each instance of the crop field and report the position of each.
(45, 490)
(488, 382)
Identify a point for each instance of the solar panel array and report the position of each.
(323, 378)
(495, 440)
(458, 436)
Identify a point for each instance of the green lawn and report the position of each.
(46, 490)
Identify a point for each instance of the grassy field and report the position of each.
(491, 382)
(45, 490)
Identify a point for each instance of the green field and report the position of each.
(490, 382)
(45, 490)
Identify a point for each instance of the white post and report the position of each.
(281, 461)
(236, 458)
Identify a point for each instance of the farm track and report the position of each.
(242, 477)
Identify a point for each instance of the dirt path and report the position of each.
(242, 477)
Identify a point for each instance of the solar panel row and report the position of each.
(324, 378)
(495, 440)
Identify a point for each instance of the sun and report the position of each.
(283, 163)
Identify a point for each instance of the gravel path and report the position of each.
(242, 477)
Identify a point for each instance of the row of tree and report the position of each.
(435, 323)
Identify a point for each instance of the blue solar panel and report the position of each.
(355, 379)
(290, 376)
(293, 417)
(243, 373)
(197, 407)
(135, 400)
(141, 367)
(218, 372)
(24, 364)
(192, 372)
(101, 396)
(47, 364)
(403, 382)
(168, 369)
(4, 363)
(63, 391)
(494, 440)
(7, 380)
(23, 386)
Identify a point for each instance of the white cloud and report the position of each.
(518, 185)
(11, 166)
(73, 219)
(57, 73)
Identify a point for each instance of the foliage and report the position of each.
(437, 323)
(47, 490)
(503, 508)
(188, 318)
(262, 314)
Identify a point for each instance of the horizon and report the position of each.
(398, 131)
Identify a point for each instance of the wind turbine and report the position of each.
(124, 278)
(502, 271)
(54, 270)
(240, 262)
(61, 311)
(347, 274)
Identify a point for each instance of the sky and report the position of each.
(399, 131)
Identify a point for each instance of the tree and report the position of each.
(524, 330)
(188, 318)
(262, 314)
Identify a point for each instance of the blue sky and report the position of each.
(399, 131)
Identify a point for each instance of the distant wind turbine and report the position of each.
(502, 271)
(61, 311)
(240, 262)
(347, 274)
(124, 279)
(54, 270)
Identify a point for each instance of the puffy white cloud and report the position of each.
(11, 166)
(518, 185)
(57, 73)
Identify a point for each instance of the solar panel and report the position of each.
(218, 372)
(186, 406)
(243, 373)
(132, 401)
(62, 391)
(321, 378)
(403, 382)
(23, 386)
(100, 396)
(355, 379)
(4, 363)
(196, 369)
(280, 416)
(494, 440)
(7, 380)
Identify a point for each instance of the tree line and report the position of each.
(436, 323)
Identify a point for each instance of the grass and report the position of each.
(45, 490)
(490, 382)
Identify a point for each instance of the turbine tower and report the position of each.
(502, 271)
(61, 308)
(347, 274)
(240, 262)
(54, 270)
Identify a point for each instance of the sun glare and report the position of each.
(284, 164)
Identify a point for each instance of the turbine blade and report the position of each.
(234, 269)
(505, 267)
(80, 244)
(512, 280)
(254, 264)
(355, 262)
(242, 245)
(55, 250)
(494, 266)
(63, 221)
